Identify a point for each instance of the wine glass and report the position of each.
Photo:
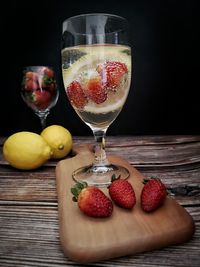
(96, 70)
(39, 90)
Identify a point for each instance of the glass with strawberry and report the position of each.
(96, 69)
(39, 90)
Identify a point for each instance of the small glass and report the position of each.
(39, 90)
(96, 69)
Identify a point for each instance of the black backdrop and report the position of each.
(164, 37)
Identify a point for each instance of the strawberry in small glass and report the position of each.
(39, 90)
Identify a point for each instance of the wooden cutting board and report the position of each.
(85, 239)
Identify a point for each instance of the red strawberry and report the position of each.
(153, 194)
(91, 200)
(76, 94)
(95, 90)
(49, 72)
(32, 76)
(41, 99)
(122, 193)
(31, 85)
(112, 73)
(52, 87)
(30, 81)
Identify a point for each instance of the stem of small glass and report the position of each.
(43, 115)
(100, 158)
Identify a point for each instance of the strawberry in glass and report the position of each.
(39, 90)
(96, 70)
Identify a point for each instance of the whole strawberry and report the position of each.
(91, 200)
(122, 193)
(76, 95)
(153, 194)
(93, 88)
(95, 91)
(112, 73)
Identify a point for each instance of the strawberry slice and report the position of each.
(30, 75)
(112, 73)
(76, 95)
(30, 81)
(42, 99)
(95, 90)
(31, 85)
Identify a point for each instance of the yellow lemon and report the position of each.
(59, 139)
(26, 150)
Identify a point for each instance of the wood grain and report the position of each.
(29, 230)
(125, 232)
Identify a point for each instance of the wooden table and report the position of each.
(29, 231)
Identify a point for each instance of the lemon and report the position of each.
(93, 55)
(59, 139)
(26, 150)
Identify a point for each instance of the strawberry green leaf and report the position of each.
(77, 188)
(114, 177)
(48, 80)
(74, 199)
(81, 185)
(145, 181)
(75, 193)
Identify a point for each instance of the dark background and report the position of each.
(164, 37)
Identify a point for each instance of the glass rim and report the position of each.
(37, 66)
(94, 14)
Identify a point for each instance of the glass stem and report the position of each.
(100, 158)
(43, 116)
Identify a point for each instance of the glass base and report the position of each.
(99, 176)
